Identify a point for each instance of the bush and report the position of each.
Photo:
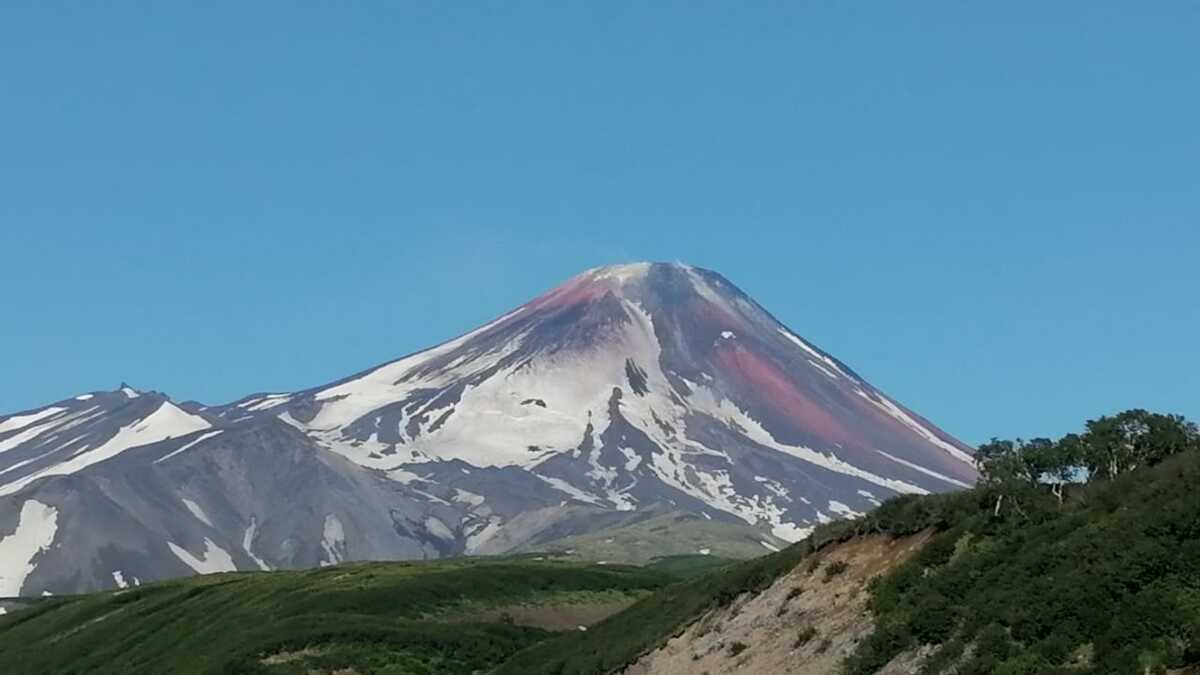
(804, 637)
(836, 568)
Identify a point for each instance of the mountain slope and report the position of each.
(628, 392)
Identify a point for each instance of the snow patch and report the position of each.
(215, 558)
(827, 372)
(799, 342)
(884, 403)
(403, 476)
(33, 430)
(621, 273)
(287, 419)
(35, 531)
(722, 408)
(265, 402)
(843, 510)
(438, 529)
(870, 497)
(477, 539)
(168, 421)
(248, 542)
(466, 497)
(333, 541)
(202, 437)
(197, 511)
(791, 531)
(21, 421)
(927, 472)
(352, 400)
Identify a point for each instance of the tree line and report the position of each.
(1018, 472)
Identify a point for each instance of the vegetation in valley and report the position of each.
(684, 566)
(411, 618)
(669, 533)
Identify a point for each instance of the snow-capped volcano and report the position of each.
(628, 390)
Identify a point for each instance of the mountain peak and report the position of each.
(621, 272)
(627, 390)
(617, 277)
(653, 286)
(651, 374)
(634, 271)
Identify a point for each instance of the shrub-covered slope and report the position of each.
(1108, 583)
(1025, 574)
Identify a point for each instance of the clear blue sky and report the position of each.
(991, 210)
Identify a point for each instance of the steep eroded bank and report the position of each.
(803, 624)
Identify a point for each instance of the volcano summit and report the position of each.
(630, 394)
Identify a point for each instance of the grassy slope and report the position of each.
(684, 566)
(669, 534)
(376, 617)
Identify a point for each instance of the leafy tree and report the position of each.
(999, 469)
(1121, 443)
(1054, 463)
(1013, 470)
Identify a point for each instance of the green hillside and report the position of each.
(439, 617)
(1107, 583)
(670, 534)
(1027, 574)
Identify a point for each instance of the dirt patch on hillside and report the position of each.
(803, 624)
(288, 657)
(566, 616)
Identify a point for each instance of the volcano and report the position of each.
(631, 394)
